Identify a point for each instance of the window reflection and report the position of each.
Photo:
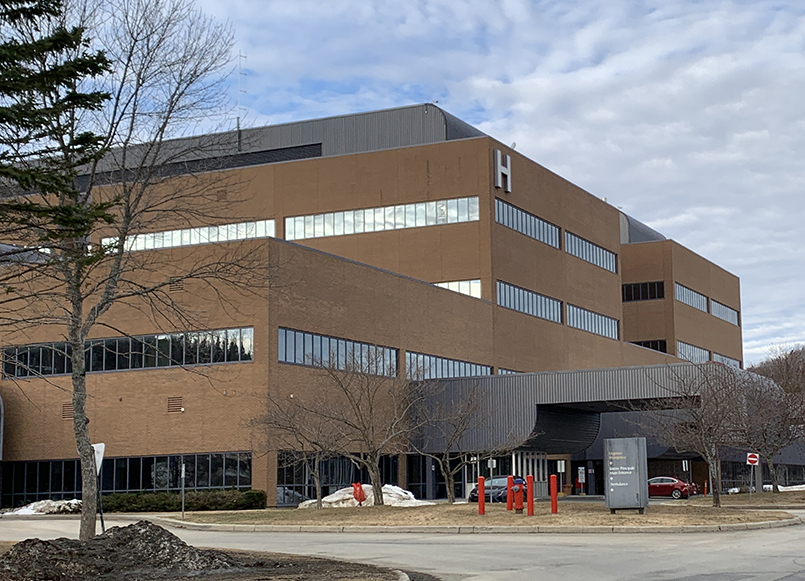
(124, 353)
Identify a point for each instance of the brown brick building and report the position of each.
(406, 229)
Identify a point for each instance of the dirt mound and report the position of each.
(140, 551)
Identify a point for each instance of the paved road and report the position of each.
(766, 555)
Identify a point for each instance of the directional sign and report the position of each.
(752, 459)
(99, 449)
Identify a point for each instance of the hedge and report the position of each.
(195, 500)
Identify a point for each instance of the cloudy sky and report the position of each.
(686, 114)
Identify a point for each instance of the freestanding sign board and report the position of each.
(626, 474)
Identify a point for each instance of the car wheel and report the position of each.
(676, 494)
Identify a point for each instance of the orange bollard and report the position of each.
(554, 497)
(481, 496)
(530, 500)
(705, 487)
(509, 495)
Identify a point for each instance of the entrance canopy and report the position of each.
(559, 411)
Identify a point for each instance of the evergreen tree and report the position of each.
(43, 65)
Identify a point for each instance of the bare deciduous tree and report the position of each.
(786, 367)
(367, 407)
(773, 419)
(72, 256)
(289, 424)
(775, 410)
(702, 414)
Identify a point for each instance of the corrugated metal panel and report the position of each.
(341, 135)
(509, 402)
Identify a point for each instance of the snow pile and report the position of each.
(50, 507)
(392, 496)
(796, 488)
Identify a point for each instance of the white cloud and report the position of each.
(686, 114)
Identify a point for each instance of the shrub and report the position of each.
(195, 500)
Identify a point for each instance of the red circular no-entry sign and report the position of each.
(752, 459)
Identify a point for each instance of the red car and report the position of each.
(670, 486)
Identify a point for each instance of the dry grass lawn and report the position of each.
(570, 514)
(769, 499)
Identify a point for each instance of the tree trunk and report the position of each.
(443, 460)
(317, 479)
(373, 468)
(89, 482)
(772, 474)
(713, 466)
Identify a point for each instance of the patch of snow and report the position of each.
(50, 507)
(796, 488)
(392, 496)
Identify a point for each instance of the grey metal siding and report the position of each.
(341, 135)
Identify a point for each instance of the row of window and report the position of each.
(643, 291)
(726, 360)
(691, 352)
(699, 301)
(699, 355)
(657, 345)
(502, 371)
(194, 236)
(537, 305)
(25, 482)
(724, 312)
(529, 302)
(690, 297)
(592, 322)
(592, 253)
(313, 350)
(526, 223)
(422, 366)
(465, 287)
(383, 218)
(534, 227)
(127, 353)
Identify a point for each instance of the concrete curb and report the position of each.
(524, 529)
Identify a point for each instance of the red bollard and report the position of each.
(509, 495)
(481, 496)
(554, 498)
(530, 500)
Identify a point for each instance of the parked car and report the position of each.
(494, 489)
(670, 486)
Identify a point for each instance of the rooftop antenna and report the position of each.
(241, 58)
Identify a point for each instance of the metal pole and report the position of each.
(183, 490)
(100, 502)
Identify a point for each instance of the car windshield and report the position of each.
(498, 481)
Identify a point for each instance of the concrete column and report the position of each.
(430, 477)
(402, 471)
(264, 475)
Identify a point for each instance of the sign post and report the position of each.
(752, 459)
(99, 450)
(183, 489)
